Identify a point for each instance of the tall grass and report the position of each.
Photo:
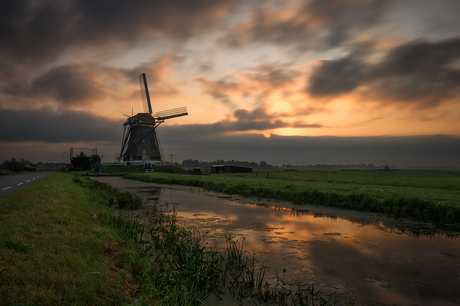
(392, 205)
(120, 199)
(190, 274)
(177, 269)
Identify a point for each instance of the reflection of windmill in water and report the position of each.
(140, 141)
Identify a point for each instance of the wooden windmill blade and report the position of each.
(145, 94)
(172, 113)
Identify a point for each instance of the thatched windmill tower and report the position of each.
(140, 142)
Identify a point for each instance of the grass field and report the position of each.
(54, 249)
(114, 169)
(61, 244)
(419, 194)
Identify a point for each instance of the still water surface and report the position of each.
(380, 260)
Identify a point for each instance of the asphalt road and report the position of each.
(14, 182)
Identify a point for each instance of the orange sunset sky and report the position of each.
(285, 81)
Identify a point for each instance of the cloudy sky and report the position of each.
(284, 81)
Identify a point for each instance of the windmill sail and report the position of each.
(145, 94)
(172, 113)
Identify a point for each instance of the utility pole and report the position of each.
(65, 156)
(171, 158)
(70, 157)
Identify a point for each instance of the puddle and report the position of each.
(380, 260)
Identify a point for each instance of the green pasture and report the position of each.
(440, 186)
(420, 194)
(56, 247)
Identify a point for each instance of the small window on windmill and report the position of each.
(143, 140)
(134, 140)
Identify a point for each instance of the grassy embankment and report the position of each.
(56, 247)
(62, 244)
(419, 194)
(113, 169)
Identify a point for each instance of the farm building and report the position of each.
(230, 169)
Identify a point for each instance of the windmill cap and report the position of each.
(144, 118)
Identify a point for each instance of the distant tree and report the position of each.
(15, 166)
(189, 163)
(81, 162)
(264, 165)
(95, 159)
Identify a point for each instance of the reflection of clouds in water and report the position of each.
(365, 255)
(380, 259)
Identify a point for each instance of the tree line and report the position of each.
(189, 163)
(14, 165)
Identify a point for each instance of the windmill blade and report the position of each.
(172, 113)
(160, 148)
(145, 93)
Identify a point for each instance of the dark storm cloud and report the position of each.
(429, 151)
(319, 24)
(341, 17)
(33, 31)
(336, 77)
(226, 126)
(418, 72)
(210, 141)
(50, 126)
(68, 84)
(81, 84)
(256, 114)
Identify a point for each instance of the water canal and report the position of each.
(380, 260)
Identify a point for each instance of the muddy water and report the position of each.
(379, 260)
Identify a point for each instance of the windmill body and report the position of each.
(140, 143)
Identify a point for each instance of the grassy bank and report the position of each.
(113, 169)
(58, 247)
(61, 244)
(423, 195)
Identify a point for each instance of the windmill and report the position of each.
(140, 141)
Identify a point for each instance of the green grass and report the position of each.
(115, 169)
(58, 248)
(425, 195)
(62, 245)
(16, 245)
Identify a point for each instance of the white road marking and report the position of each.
(20, 184)
(6, 188)
(28, 181)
